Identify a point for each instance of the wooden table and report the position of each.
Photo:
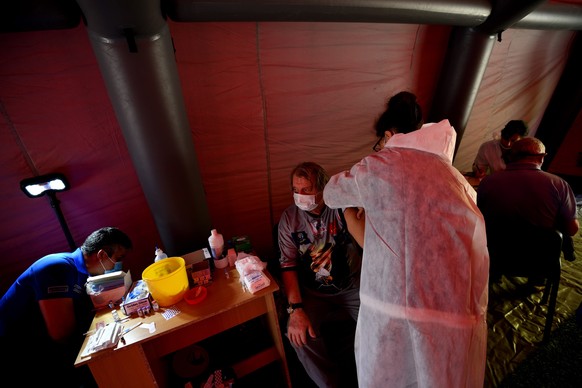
(138, 362)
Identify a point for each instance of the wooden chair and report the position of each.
(527, 251)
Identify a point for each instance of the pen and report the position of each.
(127, 331)
(130, 328)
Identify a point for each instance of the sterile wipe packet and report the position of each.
(255, 281)
(249, 264)
(250, 269)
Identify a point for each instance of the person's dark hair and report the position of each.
(107, 239)
(514, 127)
(311, 170)
(403, 114)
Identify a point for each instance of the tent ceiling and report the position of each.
(33, 15)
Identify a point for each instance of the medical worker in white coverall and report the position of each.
(425, 266)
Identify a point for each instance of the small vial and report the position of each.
(140, 312)
(231, 257)
(115, 315)
(155, 305)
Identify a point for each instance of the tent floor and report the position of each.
(516, 326)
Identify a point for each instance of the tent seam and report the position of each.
(264, 113)
(18, 139)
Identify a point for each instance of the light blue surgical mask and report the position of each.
(117, 266)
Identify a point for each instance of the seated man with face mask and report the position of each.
(320, 269)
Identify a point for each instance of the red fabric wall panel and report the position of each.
(57, 118)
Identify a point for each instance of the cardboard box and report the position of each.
(198, 267)
(132, 307)
(138, 297)
(110, 287)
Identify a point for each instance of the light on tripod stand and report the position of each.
(48, 185)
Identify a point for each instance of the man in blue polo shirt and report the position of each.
(45, 311)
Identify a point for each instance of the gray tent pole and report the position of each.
(465, 63)
(135, 53)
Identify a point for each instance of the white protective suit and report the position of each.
(425, 266)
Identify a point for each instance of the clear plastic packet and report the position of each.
(250, 269)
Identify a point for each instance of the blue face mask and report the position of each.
(117, 267)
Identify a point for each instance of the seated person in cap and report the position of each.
(523, 192)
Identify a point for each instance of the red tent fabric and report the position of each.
(260, 98)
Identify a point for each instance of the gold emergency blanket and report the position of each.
(516, 321)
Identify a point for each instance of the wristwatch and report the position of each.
(294, 306)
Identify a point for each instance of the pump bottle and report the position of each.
(160, 255)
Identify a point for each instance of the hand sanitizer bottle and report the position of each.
(216, 243)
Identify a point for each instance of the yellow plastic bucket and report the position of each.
(167, 280)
